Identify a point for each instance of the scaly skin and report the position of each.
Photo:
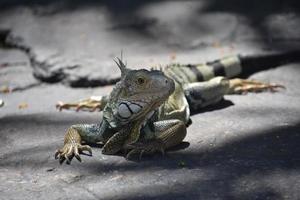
(148, 111)
(132, 101)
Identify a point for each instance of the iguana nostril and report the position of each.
(166, 81)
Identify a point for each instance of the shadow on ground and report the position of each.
(235, 169)
(255, 155)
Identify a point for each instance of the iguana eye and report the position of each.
(141, 80)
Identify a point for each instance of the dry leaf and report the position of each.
(173, 56)
(23, 105)
(216, 44)
(4, 89)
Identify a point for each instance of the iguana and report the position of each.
(149, 110)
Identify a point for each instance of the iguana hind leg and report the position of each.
(202, 94)
(170, 132)
(167, 133)
(241, 86)
(115, 143)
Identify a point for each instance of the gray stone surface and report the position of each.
(247, 147)
(249, 150)
(76, 44)
(15, 71)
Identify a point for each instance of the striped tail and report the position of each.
(228, 67)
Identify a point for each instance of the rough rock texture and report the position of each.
(248, 148)
(75, 44)
(15, 71)
(245, 148)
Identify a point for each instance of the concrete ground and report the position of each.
(247, 147)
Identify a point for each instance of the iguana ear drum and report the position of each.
(127, 109)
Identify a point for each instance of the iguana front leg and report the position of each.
(166, 134)
(72, 147)
(91, 133)
(91, 104)
(95, 133)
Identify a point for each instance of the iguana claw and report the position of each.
(71, 150)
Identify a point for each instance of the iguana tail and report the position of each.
(229, 67)
(254, 63)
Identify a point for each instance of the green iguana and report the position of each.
(149, 110)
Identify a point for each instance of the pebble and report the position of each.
(1, 103)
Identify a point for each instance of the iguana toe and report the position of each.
(71, 150)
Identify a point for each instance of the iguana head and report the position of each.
(138, 93)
